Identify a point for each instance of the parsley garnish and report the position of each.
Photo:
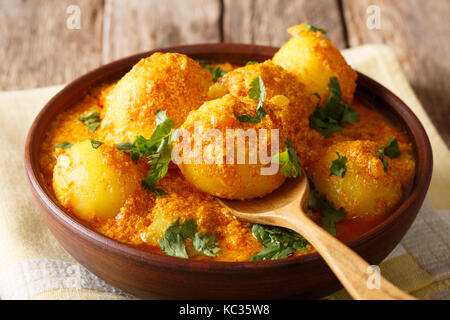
(314, 29)
(257, 91)
(391, 150)
(64, 145)
(288, 159)
(173, 244)
(278, 242)
(157, 150)
(249, 63)
(330, 119)
(216, 72)
(330, 216)
(338, 167)
(91, 120)
(95, 144)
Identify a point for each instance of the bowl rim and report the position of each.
(415, 128)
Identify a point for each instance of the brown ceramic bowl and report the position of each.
(143, 274)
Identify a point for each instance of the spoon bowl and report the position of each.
(285, 208)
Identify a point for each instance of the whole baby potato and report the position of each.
(365, 189)
(314, 59)
(164, 81)
(94, 183)
(211, 172)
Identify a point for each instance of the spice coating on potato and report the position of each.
(277, 81)
(366, 189)
(94, 183)
(314, 59)
(212, 173)
(163, 81)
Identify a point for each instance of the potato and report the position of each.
(212, 173)
(163, 81)
(94, 183)
(313, 59)
(277, 81)
(366, 189)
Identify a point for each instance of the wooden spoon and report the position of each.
(284, 208)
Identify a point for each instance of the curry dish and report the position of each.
(109, 158)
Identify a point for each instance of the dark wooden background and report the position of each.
(37, 49)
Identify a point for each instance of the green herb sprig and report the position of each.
(330, 215)
(64, 145)
(338, 166)
(391, 150)
(157, 149)
(173, 243)
(289, 161)
(314, 29)
(216, 72)
(330, 118)
(278, 242)
(91, 120)
(257, 91)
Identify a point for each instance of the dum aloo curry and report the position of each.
(109, 158)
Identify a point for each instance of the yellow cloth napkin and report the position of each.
(34, 266)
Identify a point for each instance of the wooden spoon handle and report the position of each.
(354, 273)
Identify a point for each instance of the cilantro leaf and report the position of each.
(257, 91)
(288, 160)
(205, 244)
(338, 167)
(314, 29)
(91, 120)
(173, 241)
(330, 118)
(157, 149)
(216, 72)
(64, 145)
(95, 144)
(250, 63)
(159, 192)
(391, 150)
(188, 229)
(330, 216)
(278, 242)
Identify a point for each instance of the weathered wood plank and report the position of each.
(265, 21)
(419, 33)
(135, 26)
(38, 49)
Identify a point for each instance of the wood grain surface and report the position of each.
(37, 49)
(419, 33)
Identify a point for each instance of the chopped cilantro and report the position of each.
(330, 216)
(338, 167)
(205, 244)
(64, 145)
(257, 91)
(288, 159)
(159, 192)
(96, 144)
(173, 244)
(314, 29)
(391, 150)
(157, 149)
(278, 242)
(330, 119)
(91, 120)
(216, 72)
(250, 63)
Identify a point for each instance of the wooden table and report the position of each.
(38, 49)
